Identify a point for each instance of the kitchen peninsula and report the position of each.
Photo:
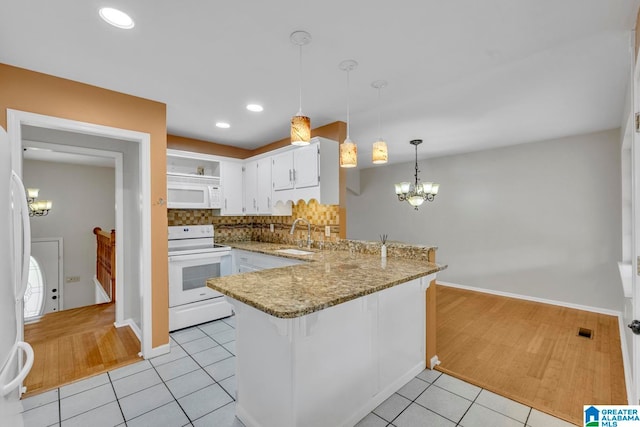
(326, 341)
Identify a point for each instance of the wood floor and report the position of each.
(530, 352)
(77, 343)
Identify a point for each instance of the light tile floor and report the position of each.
(194, 385)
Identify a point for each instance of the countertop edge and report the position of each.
(319, 307)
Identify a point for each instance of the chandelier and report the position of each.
(417, 192)
(37, 207)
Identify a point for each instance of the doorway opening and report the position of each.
(133, 218)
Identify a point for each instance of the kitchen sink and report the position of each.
(294, 252)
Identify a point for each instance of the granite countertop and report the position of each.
(328, 278)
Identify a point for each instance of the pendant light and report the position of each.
(348, 149)
(300, 124)
(379, 154)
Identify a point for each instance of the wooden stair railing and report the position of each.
(106, 261)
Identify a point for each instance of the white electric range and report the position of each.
(193, 258)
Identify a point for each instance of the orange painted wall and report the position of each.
(26, 90)
(198, 146)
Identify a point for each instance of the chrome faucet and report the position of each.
(293, 227)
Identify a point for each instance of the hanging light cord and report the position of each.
(348, 91)
(379, 115)
(300, 81)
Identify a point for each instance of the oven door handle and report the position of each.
(211, 256)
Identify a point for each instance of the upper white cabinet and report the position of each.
(231, 183)
(263, 195)
(304, 173)
(296, 168)
(282, 171)
(268, 184)
(251, 187)
(258, 199)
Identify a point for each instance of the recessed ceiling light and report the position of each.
(117, 18)
(223, 125)
(254, 107)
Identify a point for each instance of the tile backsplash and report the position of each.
(239, 228)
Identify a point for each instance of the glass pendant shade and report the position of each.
(379, 155)
(415, 201)
(348, 154)
(300, 130)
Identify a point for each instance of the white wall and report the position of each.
(539, 219)
(83, 198)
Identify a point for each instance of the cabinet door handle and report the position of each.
(269, 202)
(290, 179)
(254, 203)
(225, 203)
(294, 175)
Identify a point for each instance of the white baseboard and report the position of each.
(129, 322)
(626, 363)
(157, 351)
(534, 299)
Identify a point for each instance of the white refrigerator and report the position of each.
(16, 356)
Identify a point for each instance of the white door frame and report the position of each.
(119, 171)
(15, 120)
(635, 228)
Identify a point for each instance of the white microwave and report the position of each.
(193, 192)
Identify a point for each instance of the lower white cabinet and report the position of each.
(247, 261)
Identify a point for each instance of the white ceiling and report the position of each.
(463, 75)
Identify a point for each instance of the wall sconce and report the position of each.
(37, 207)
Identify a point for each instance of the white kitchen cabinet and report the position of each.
(264, 186)
(251, 187)
(304, 173)
(369, 348)
(258, 189)
(282, 170)
(296, 168)
(247, 261)
(232, 191)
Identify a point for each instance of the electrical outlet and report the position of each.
(271, 227)
(327, 230)
(72, 279)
